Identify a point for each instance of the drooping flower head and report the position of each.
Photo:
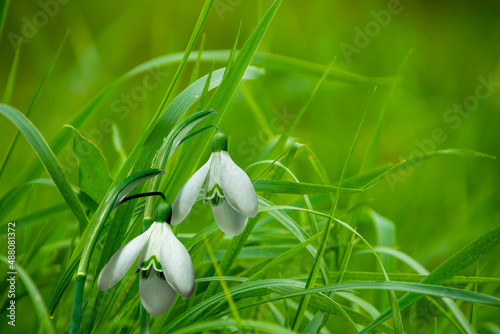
(228, 189)
(164, 265)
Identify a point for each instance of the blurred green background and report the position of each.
(438, 208)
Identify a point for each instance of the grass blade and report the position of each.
(35, 98)
(37, 299)
(48, 159)
(455, 264)
(319, 256)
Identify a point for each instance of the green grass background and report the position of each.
(443, 205)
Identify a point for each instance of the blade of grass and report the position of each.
(35, 98)
(455, 264)
(271, 61)
(192, 41)
(229, 298)
(7, 94)
(223, 96)
(197, 64)
(319, 256)
(255, 108)
(37, 299)
(230, 60)
(48, 159)
(280, 144)
(247, 288)
(320, 318)
(4, 5)
(371, 153)
(89, 241)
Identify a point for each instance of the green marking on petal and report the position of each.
(145, 265)
(216, 191)
(145, 273)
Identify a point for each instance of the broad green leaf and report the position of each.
(93, 169)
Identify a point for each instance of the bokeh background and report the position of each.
(438, 208)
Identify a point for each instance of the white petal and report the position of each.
(176, 264)
(188, 193)
(213, 177)
(153, 246)
(156, 294)
(121, 261)
(237, 187)
(229, 220)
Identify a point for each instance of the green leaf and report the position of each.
(197, 311)
(3, 13)
(12, 76)
(290, 187)
(48, 159)
(35, 99)
(368, 179)
(219, 325)
(93, 169)
(270, 61)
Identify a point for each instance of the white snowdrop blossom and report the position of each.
(227, 187)
(164, 265)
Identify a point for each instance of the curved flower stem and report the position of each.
(155, 193)
(175, 138)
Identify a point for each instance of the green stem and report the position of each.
(145, 319)
(77, 304)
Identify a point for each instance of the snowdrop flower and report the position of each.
(227, 187)
(164, 265)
